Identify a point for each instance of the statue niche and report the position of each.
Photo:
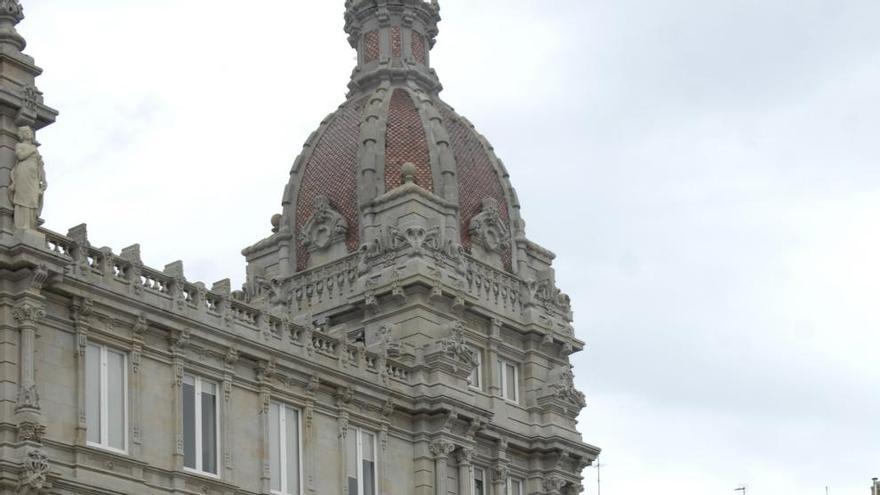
(324, 233)
(490, 237)
(28, 181)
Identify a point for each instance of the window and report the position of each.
(514, 486)
(479, 481)
(361, 462)
(200, 425)
(476, 378)
(106, 398)
(509, 374)
(284, 449)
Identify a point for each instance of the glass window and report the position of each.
(200, 425)
(479, 481)
(514, 486)
(509, 377)
(361, 462)
(106, 398)
(284, 449)
(476, 378)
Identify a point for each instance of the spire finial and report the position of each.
(393, 39)
(11, 13)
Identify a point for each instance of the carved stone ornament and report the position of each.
(416, 237)
(442, 448)
(31, 432)
(324, 228)
(456, 347)
(28, 313)
(563, 386)
(553, 485)
(34, 472)
(11, 8)
(28, 180)
(488, 230)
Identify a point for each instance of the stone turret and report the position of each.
(21, 103)
(393, 39)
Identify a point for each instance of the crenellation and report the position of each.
(431, 334)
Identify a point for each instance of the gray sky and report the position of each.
(708, 172)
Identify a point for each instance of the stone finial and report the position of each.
(11, 9)
(408, 172)
(11, 13)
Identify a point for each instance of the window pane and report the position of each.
(292, 416)
(368, 445)
(511, 382)
(275, 447)
(116, 400)
(209, 433)
(474, 379)
(478, 482)
(189, 424)
(93, 393)
(351, 460)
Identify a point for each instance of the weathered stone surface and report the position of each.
(394, 301)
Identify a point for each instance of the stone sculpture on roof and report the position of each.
(28, 181)
(396, 334)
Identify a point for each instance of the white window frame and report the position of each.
(103, 406)
(282, 423)
(505, 380)
(358, 431)
(197, 386)
(478, 369)
(474, 481)
(510, 488)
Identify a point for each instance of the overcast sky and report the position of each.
(708, 172)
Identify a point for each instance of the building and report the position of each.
(397, 333)
(875, 486)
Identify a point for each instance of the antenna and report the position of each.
(741, 489)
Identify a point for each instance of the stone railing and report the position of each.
(312, 289)
(494, 287)
(324, 284)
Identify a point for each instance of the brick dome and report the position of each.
(328, 166)
(392, 117)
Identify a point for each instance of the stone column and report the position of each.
(310, 440)
(492, 377)
(343, 399)
(135, 389)
(80, 310)
(441, 449)
(499, 481)
(265, 372)
(465, 471)
(229, 362)
(179, 341)
(387, 411)
(28, 314)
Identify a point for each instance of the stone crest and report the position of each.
(488, 231)
(34, 473)
(324, 228)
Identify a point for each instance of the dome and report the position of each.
(392, 121)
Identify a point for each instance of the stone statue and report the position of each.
(28, 181)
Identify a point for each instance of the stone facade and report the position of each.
(397, 333)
